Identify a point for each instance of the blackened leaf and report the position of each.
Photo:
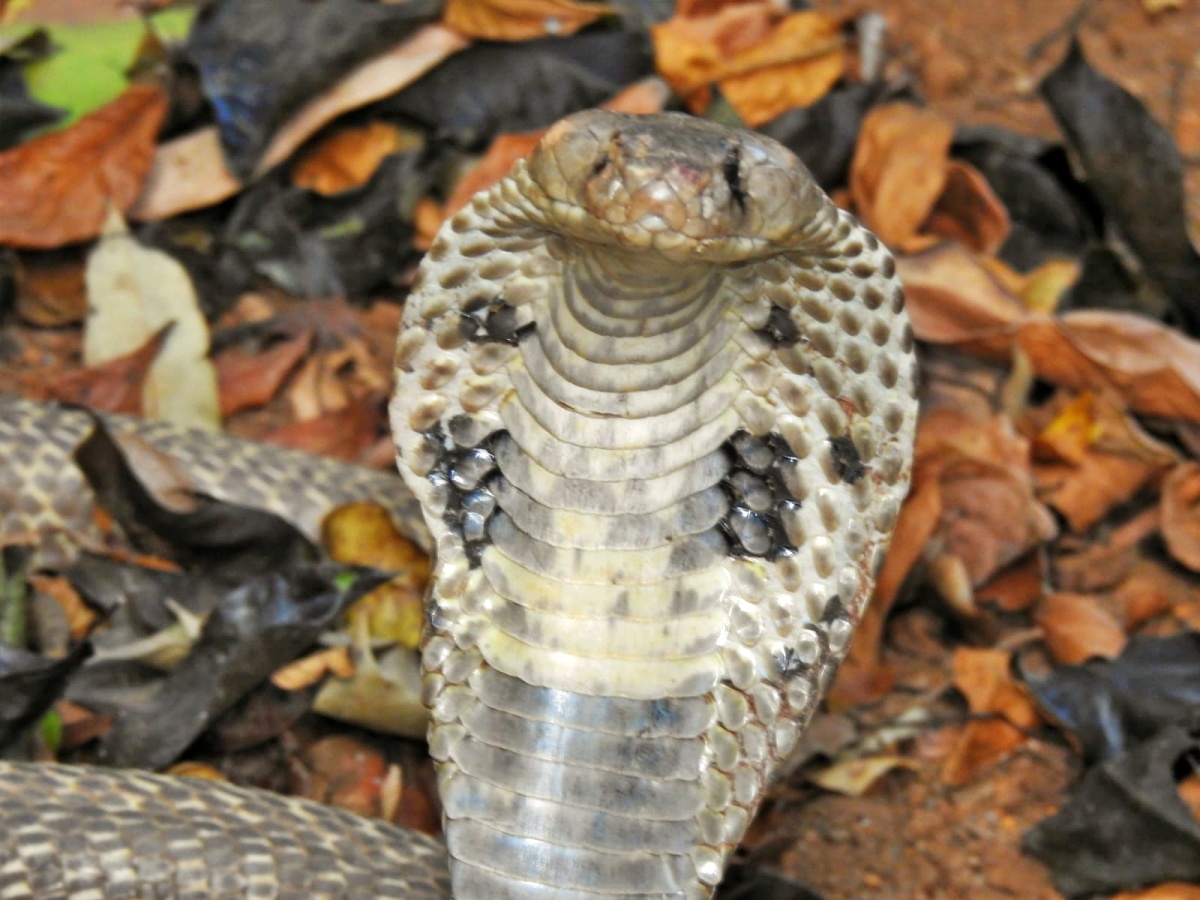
(1134, 169)
(823, 135)
(20, 113)
(1125, 826)
(491, 88)
(255, 629)
(1052, 214)
(749, 882)
(29, 684)
(1112, 705)
(1107, 283)
(260, 60)
(216, 537)
(315, 246)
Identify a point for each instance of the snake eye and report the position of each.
(600, 165)
(733, 177)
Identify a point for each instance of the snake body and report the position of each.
(655, 397)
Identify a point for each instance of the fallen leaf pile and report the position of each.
(181, 238)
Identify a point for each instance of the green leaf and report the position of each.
(91, 65)
(51, 728)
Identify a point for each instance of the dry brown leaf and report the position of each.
(1071, 433)
(985, 679)
(764, 62)
(363, 534)
(1016, 588)
(343, 433)
(1085, 492)
(311, 669)
(899, 171)
(1180, 508)
(59, 187)
(348, 158)
(1172, 891)
(189, 172)
(857, 777)
(79, 616)
(519, 20)
(1152, 588)
(642, 98)
(115, 386)
(953, 298)
(246, 381)
(968, 210)
(1043, 288)
(1155, 370)
(1077, 628)
(51, 291)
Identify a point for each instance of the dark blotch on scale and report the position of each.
(780, 329)
(846, 461)
(493, 321)
(462, 475)
(756, 496)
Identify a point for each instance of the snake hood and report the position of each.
(655, 394)
(682, 186)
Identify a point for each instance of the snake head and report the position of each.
(695, 190)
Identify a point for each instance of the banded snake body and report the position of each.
(655, 396)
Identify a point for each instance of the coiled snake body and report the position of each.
(655, 397)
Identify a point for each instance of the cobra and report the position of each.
(655, 397)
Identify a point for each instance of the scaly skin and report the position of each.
(655, 397)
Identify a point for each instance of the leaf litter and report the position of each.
(1031, 646)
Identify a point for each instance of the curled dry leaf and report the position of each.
(311, 669)
(1093, 457)
(968, 210)
(134, 292)
(1077, 628)
(190, 173)
(116, 386)
(856, 777)
(348, 158)
(764, 62)
(985, 679)
(58, 188)
(519, 20)
(1180, 508)
(899, 171)
(363, 534)
(954, 298)
(246, 381)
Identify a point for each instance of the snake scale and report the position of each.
(655, 396)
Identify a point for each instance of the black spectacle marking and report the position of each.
(465, 475)
(733, 177)
(757, 495)
(846, 461)
(780, 329)
(494, 321)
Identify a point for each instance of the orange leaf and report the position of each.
(968, 210)
(58, 187)
(246, 381)
(1071, 432)
(952, 297)
(1180, 506)
(899, 171)
(115, 386)
(1076, 628)
(348, 158)
(519, 20)
(984, 679)
(764, 63)
(1172, 891)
